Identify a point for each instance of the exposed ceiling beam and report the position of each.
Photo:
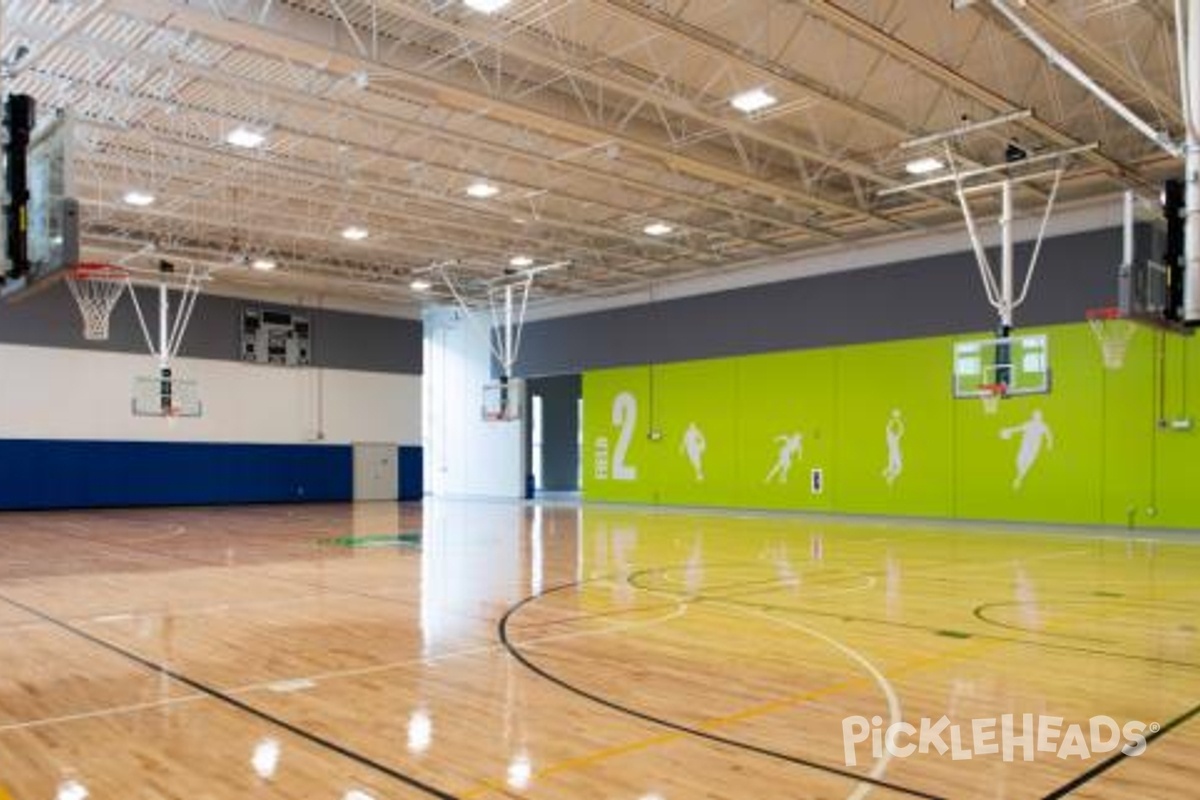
(866, 32)
(336, 57)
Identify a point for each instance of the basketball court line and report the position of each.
(184, 611)
(765, 586)
(983, 636)
(679, 609)
(1119, 757)
(99, 713)
(647, 588)
(280, 685)
(889, 692)
(682, 730)
(980, 614)
(524, 661)
(800, 609)
(266, 576)
(216, 694)
(772, 585)
(749, 713)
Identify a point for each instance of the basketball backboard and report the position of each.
(165, 396)
(1019, 363)
(53, 212)
(503, 400)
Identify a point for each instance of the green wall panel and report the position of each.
(1177, 457)
(881, 424)
(786, 418)
(895, 428)
(693, 460)
(1039, 457)
(615, 443)
(1129, 434)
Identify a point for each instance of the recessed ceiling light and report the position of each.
(355, 233)
(263, 264)
(521, 261)
(657, 229)
(482, 190)
(245, 137)
(420, 285)
(486, 6)
(753, 100)
(924, 165)
(136, 197)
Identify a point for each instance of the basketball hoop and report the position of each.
(96, 289)
(991, 394)
(1113, 332)
(503, 401)
(166, 396)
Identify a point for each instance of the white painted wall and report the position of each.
(53, 393)
(465, 456)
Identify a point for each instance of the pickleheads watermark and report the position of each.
(1008, 736)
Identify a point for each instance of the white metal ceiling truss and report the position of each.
(593, 119)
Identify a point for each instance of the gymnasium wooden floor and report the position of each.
(551, 652)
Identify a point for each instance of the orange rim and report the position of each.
(89, 271)
(1111, 312)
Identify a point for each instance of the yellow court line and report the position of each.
(488, 786)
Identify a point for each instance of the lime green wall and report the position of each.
(1104, 458)
(785, 395)
(874, 382)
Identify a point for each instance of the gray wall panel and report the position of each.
(926, 297)
(341, 340)
(372, 343)
(560, 430)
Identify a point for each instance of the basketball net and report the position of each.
(990, 396)
(1114, 333)
(96, 289)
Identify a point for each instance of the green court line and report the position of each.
(407, 539)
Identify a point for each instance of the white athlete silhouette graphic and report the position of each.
(1032, 433)
(894, 431)
(791, 448)
(693, 444)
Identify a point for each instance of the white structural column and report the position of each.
(465, 455)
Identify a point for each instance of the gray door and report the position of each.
(376, 471)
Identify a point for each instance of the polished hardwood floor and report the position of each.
(488, 650)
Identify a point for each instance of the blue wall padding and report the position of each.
(412, 478)
(51, 473)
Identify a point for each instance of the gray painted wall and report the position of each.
(340, 340)
(926, 297)
(560, 430)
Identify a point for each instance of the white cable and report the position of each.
(1037, 248)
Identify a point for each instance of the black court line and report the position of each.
(523, 660)
(217, 694)
(735, 599)
(981, 615)
(1119, 757)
